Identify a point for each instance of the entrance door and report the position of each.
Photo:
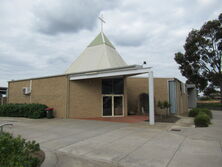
(112, 105)
(112, 97)
(107, 106)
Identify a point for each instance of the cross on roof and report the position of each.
(102, 21)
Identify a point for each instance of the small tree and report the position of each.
(163, 105)
(166, 105)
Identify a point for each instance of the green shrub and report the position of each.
(23, 110)
(17, 152)
(212, 106)
(194, 112)
(202, 120)
(206, 111)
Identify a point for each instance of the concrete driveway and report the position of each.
(88, 143)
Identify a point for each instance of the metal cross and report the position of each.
(102, 21)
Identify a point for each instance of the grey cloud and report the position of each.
(69, 16)
(57, 60)
(9, 63)
(129, 39)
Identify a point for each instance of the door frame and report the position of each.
(169, 96)
(113, 95)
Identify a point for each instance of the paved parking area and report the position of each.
(89, 143)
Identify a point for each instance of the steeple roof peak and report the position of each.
(100, 54)
(101, 39)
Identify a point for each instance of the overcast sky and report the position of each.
(43, 37)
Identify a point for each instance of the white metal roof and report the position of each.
(100, 54)
(111, 72)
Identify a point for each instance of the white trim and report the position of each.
(110, 74)
(114, 95)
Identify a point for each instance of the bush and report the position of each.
(202, 120)
(23, 110)
(204, 98)
(206, 111)
(17, 152)
(212, 106)
(195, 111)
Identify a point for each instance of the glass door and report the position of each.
(118, 105)
(112, 105)
(107, 106)
(112, 97)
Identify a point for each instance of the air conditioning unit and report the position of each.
(26, 90)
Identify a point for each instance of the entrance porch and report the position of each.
(112, 92)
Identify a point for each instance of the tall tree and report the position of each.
(201, 62)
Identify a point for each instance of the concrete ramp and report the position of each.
(60, 159)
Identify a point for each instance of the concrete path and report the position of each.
(87, 143)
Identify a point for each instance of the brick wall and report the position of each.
(50, 91)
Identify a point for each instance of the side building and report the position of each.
(87, 99)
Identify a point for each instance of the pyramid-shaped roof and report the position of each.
(101, 39)
(100, 54)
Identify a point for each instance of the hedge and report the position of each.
(17, 152)
(211, 106)
(23, 110)
(195, 111)
(202, 120)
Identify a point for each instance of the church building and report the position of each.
(99, 83)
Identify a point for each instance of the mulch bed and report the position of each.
(168, 119)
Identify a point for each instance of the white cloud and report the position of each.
(43, 37)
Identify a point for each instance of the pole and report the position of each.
(151, 99)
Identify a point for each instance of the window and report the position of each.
(107, 86)
(118, 86)
(112, 86)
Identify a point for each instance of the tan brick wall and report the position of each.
(50, 91)
(70, 99)
(15, 94)
(136, 86)
(82, 99)
(85, 98)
